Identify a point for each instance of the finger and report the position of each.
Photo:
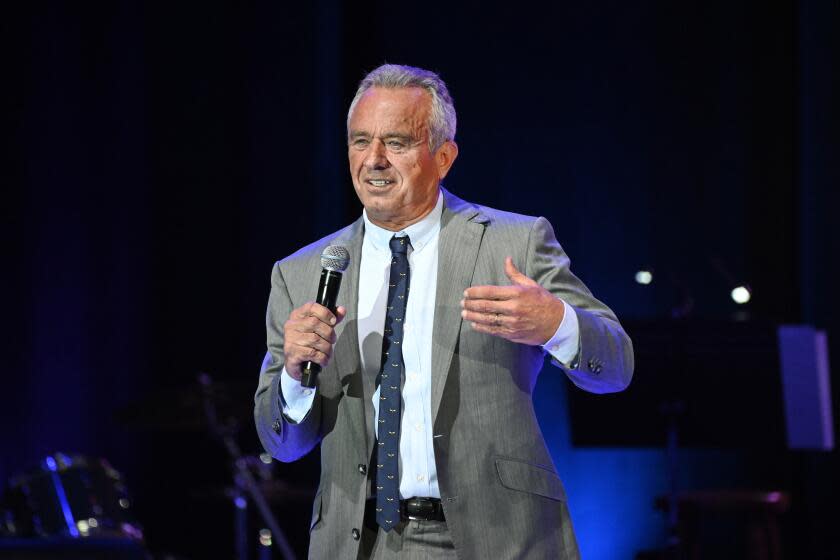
(313, 340)
(488, 329)
(501, 332)
(301, 312)
(515, 276)
(340, 313)
(314, 325)
(308, 354)
(303, 342)
(487, 319)
(322, 313)
(491, 292)
(487, 305)
(312, 309)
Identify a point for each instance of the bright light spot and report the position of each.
(93, 522)
(240, 502)
(265, 537)
(644, 277)
(83, 527)
(51, 464)
(741, 295)
(124, 503)
(265, 458)
(64, 461)
(131, 531)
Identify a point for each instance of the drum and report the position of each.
(72, 497)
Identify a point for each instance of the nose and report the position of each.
(377, 157)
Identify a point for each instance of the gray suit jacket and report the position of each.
(500, 490)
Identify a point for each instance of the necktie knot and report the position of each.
(399, 245)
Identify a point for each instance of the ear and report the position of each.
(445, 157)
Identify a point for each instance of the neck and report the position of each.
(397, 225)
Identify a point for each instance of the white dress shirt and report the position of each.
(418, 473)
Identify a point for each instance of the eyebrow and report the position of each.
(388, 135)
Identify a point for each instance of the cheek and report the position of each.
(410, 168)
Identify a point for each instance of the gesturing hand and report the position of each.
(524, 312)
(310, 334)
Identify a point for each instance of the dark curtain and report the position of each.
(162, 156)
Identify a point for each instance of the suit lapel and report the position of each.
(347, 348)
(347, 355)
(461, 231)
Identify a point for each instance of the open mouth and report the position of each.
(379, 182)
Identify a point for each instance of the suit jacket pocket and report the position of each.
(316, 512)
(528, 477)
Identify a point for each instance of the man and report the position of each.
(429, 442)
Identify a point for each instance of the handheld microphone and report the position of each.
(334, 261)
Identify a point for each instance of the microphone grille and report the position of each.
(335, 258)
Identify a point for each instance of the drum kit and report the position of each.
(73, 498)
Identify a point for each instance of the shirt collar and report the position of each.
(420, 233)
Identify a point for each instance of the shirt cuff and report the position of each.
(295, 399)
(564, 346)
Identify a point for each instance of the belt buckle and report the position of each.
(418, 509)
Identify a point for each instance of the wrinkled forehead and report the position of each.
(390, 107)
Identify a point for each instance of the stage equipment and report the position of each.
(181, 409)
(276, 492)
(803, 353)
(245, 485)
(738, 385)
(70, 496)
(713, 384)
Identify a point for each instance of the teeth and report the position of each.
(379, 183)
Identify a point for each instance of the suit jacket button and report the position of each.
(591, 364)
(276, 426)
(362, 469)
(355, 533)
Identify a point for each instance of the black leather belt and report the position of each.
(425, 509)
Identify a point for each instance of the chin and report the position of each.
(379, 209)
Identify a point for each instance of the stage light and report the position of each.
(124, 503)
(644, 277)
(265, 458)
(741, 295)
(265, 537)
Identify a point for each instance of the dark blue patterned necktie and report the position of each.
(390, 397)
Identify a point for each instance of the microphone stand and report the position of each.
(672, 410)
(243, 479)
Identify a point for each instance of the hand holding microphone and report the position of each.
(310, 330)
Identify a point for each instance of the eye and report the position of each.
(360, 143)
(395, 145)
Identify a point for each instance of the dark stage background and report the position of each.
(162, 156)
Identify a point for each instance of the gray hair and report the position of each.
(442, 119)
